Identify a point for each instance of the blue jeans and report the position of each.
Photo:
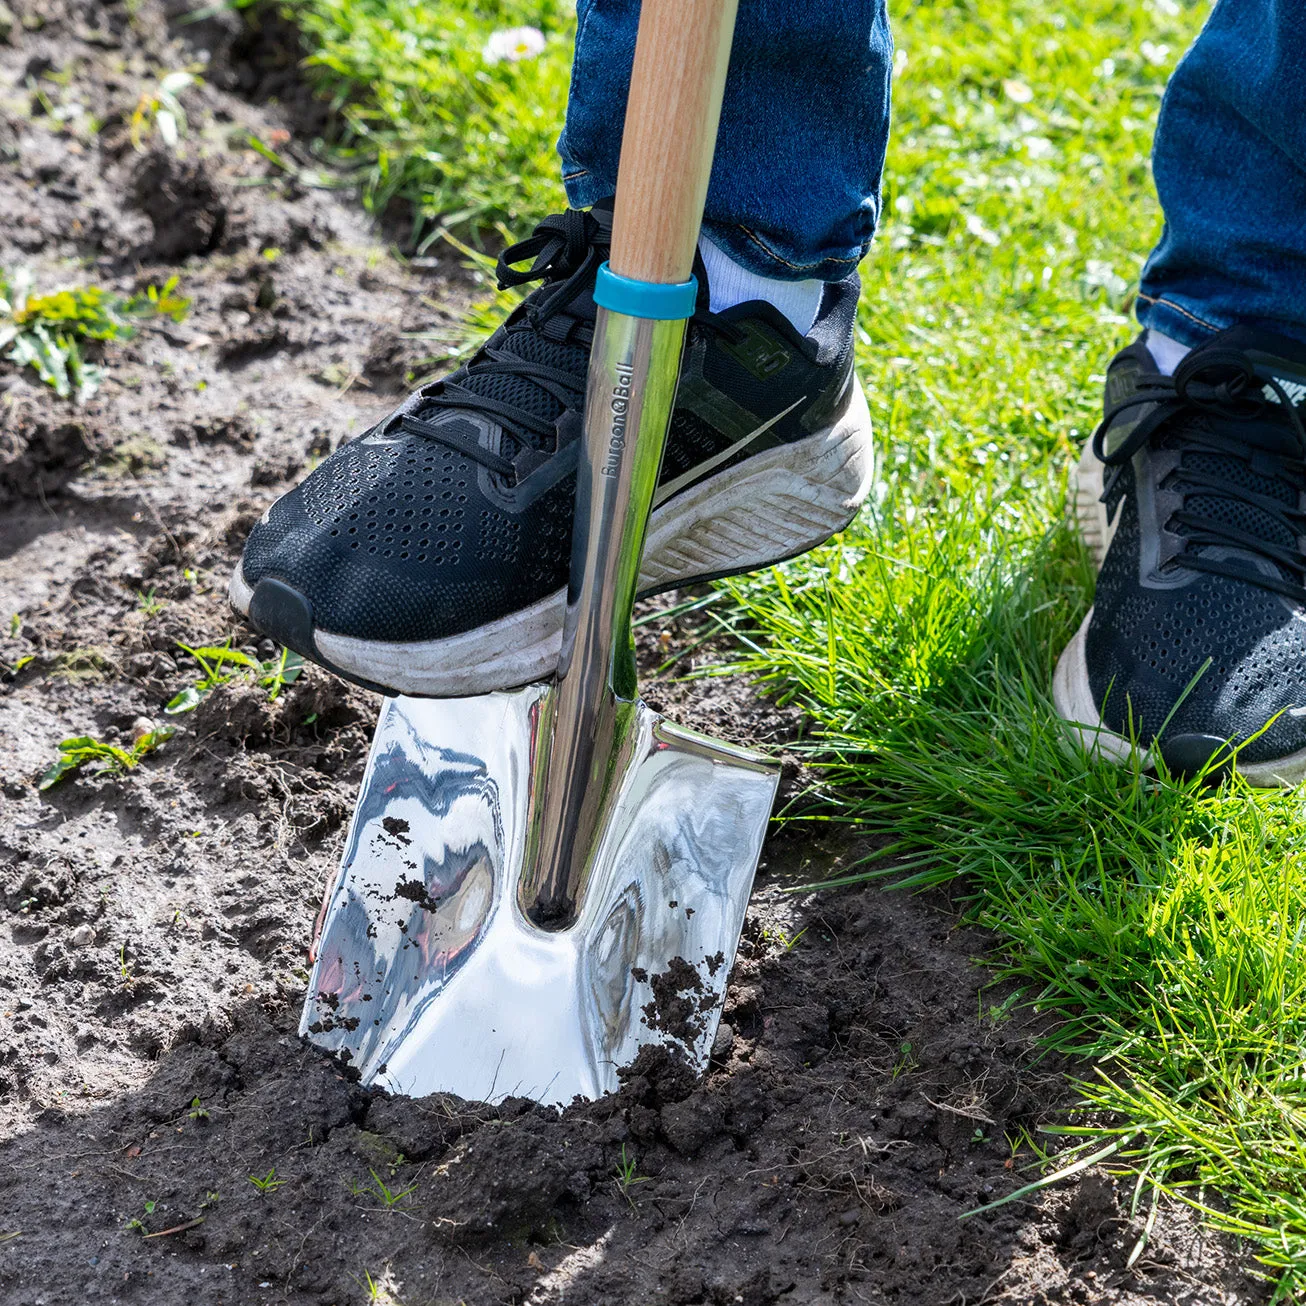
(1230, 166)
(795, 189)
(796, 178)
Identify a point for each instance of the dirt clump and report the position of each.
(184, 206)
(681, 1003)
(39, 451)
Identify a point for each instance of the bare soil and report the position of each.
(867, 1088)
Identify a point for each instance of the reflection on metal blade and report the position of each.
(428, 978)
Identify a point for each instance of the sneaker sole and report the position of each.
(777, 505)
(1072, 694)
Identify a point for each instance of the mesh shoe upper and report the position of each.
(457, 509)
(1205, 487)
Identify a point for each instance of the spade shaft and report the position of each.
(681, 56)
(674, 109)
(586, 735)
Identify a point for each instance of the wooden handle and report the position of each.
(681, 55)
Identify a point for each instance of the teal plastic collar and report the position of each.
(650, 299)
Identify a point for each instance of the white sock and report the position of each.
(729, 284)
(1167, 353)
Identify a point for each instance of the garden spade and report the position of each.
(538, 883)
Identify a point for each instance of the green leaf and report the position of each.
(186, 701)
(80, 742)
(149, 742)
(267, 152)
(58, 771)
(47, 354)
(221, 653)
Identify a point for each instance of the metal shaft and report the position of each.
(590, 713)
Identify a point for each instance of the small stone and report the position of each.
(724, 1041)
(83, 936)
(850, 1218)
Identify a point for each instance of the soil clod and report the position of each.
(183, 204)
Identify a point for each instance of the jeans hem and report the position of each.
(1165, 314)
(1193, 324)
(742, 244)
(751, 251)
(584, 190)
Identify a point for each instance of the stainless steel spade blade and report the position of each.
(538, 883)
(429, 974)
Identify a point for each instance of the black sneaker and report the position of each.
(430, 555)
(1192, 496)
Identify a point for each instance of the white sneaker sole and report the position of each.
(1072, 695)
(776, 505)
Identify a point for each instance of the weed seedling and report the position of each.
(138, 1225)
(197, 1112)
(83, 749)
(1004, 1010)
(380, 1292)
(786, 942)
(377, 1188)
(628, 1176)
(47, 332)
(280, 671)
(148, 604)
(220, 664)
(15, 625)
(905, 1062)
(268, 1183)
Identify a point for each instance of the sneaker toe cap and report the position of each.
(1245, 687)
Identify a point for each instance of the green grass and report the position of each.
(1162, 921)
(426, 118)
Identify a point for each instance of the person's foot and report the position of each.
(1192, 496)
(430, 555)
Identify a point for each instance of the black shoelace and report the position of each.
(565, 252)
(1241, 421)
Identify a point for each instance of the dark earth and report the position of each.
(871, 1083)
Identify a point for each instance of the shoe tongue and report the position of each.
(544, 334)
(1285, 360)
(531, 346)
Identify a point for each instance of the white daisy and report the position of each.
(513, 44)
